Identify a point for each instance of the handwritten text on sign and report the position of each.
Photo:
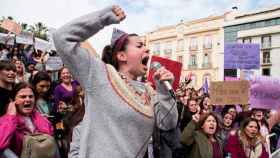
(229, 92)
(241, 56)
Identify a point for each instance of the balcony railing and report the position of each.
(192, 66)
(207, 46)
(194, 47)
(206, 65)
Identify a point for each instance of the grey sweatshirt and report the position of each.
(111, 127)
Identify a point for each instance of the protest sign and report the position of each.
(11, 26)
(265, 93)
(173, 66)
(42, 45)
(54, 63)
(241, 56)
(229, 92)
(25, 38)
(7, 39)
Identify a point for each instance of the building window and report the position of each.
(156, 49)
(193, 59)
(205, 63)
(168, 50)
(266, 71)
(266, 42)
(266, 57)
(180, 58)
(246, 40)
(207, 42)
(180, 46)
(193, 43)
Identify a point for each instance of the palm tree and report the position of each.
(39, 30)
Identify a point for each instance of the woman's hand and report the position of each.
(117, 10)
(162, 74)
(12, 108)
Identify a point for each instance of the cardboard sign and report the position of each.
(7, 39)
(173, 66)
(54, 63)
(241, 56)
(11, 26)
(265, 93)
(229, 92)
(25, 38)
(42, 45)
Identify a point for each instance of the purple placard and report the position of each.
(241, 56)
(265, 93)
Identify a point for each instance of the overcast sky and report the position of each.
(142, 15)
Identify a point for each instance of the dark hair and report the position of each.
(246, 121)
(18, 87)
(7, 65)
(40, 76)
(109, 54)
(226, 109)
(205, 116)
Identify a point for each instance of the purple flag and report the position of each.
(241, 56)
(265, 93)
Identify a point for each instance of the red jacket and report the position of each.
(12, 130)
(235, 147)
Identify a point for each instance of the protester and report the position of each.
(115, 101)
(21, 74)
(41, 83)
(188, 109)
(65, 91)
(7, 80)
(226, 127)
(21, 119)
(200, 136)
(247, 142)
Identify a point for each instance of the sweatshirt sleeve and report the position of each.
(67, 41)
(188, 134)
(165, 108)
(8, 124)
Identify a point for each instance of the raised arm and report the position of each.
(67, 40)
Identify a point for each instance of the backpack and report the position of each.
(38, 146)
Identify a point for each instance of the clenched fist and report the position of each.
(117, 10)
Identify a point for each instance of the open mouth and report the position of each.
(27, 106)
(145, 60)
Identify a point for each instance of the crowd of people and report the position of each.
(100, 107)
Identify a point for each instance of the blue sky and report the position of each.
(142, 15)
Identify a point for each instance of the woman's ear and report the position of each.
(122, 56)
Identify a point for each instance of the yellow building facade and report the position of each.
(197, 44)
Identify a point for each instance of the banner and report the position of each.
(25, 38)
(229, 92)
(173, 66)
(11, 26)
(54, 63)
(241, 56)
(265, 93)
